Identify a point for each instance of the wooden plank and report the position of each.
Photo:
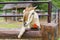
(11, 15)
(20, 15)
(14, 34)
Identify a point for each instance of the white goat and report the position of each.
(29, 17)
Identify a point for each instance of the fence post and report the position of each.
(58, 16)
(49, 11)
(58, 22)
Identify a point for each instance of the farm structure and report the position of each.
(45, 28)
(14, 9)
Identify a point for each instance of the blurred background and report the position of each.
(17, 9)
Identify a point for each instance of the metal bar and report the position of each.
(54, 6)
(49, 11)
(24, 2)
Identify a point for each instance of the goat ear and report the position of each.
(35, 7)
(26, 7)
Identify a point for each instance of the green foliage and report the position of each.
(40, 6)
(56, 2)
(7, 0)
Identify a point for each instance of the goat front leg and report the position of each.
(21, 32)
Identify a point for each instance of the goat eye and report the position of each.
(32, 13)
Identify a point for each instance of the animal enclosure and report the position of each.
(16, 31)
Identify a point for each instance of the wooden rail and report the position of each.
(48, 2)
(24, 2)
(20, 15)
